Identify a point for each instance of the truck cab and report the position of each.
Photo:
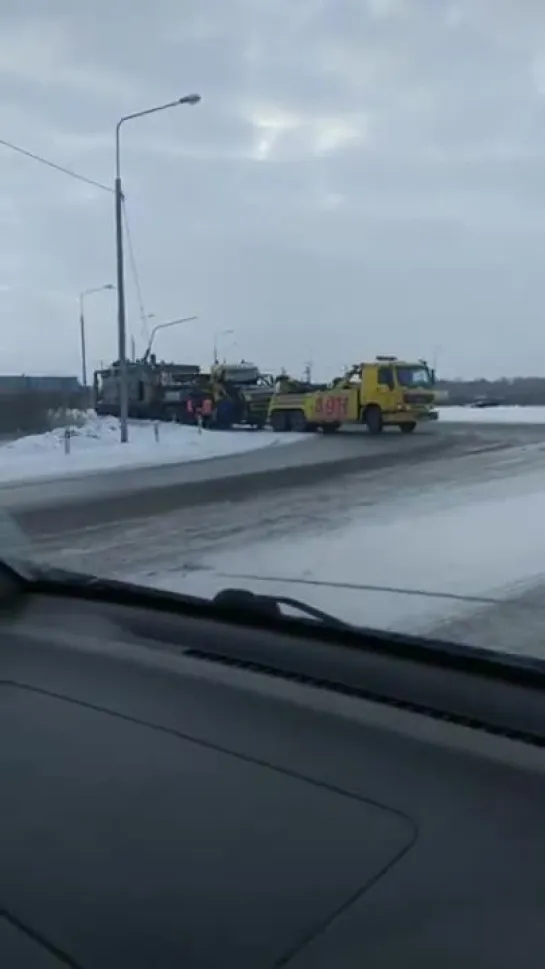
(238, 393)
(396, 392)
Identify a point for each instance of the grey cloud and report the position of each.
(359, 173)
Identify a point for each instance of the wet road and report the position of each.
(184, 515)
(47, 507)
(158, 489)
(193, 518)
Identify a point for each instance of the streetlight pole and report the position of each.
(87, 292)
(121, 317)
(216, 338)
(163, 326)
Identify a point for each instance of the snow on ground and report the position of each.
(484, 542)
(492, 415)
(95, 446)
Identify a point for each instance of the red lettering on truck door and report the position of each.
(331, 407)
(336, 408)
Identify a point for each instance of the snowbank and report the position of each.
(492, 415)
(94, 445)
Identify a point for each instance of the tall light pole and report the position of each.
(121, 321)
(217, 336)
(87, 292)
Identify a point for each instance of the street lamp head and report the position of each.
(190, 99)
(96, 289)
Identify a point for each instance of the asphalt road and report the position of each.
(44, 507)
(181, 521)
(175, 518)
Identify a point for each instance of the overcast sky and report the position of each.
(361, 176)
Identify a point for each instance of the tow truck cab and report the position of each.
(382, 392)
(402, 390)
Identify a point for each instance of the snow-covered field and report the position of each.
(94, 445)
(493, 415)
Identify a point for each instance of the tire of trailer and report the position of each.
(372, 418)
(407, 428)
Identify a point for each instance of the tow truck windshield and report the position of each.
(414, 377)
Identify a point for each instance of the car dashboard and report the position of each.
(183, 791)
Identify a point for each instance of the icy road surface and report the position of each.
(453, 541)
(94, 446)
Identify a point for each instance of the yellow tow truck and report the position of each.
(376, 394)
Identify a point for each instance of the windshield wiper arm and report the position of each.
(230, 600)
(270, 605)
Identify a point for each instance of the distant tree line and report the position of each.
(35, 411)
(521, 391)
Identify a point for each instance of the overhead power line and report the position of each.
(105, 188)
(58, 168)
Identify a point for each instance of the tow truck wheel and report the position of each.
(278, 421)
(298, 421)
(407, 428)
(372, 418)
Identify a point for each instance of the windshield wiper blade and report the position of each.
(270, 605)
(230, 600)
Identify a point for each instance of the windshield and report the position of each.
(335, 202)
(414, 377)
